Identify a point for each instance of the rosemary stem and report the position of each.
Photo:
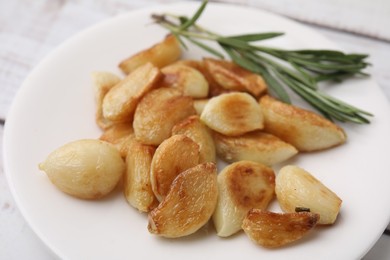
(299, 70)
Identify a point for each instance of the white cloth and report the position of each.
(363, 17)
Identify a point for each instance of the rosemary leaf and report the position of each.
(232, 42)
(206, 48)
(312, 81)
(331, 66)
(336, 76)
(255, 37)
(194, 18)
(304, 78)
(321, 52)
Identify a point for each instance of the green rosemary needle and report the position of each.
(299, 70)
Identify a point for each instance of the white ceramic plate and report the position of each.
(56, 105)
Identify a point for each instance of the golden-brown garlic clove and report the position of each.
(160, 55)
(272, 230)
(305, 130)
(200, 134)
(189, 204)
(120, 135)
(230, 76)
(233, 114)
(254, 146)
(136, 182)
(242, 186)
(187, 79)
(121, 101)
(174, 155)
(158, 112)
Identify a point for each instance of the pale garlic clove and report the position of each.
(187, 79)
(233, 114)
(137, 186)
(103, 81)
(160, 55)
(200, 134)
(305, 130)
(174, 155)
(158, 112)
(254, 146)
(272, 230)
(86, 169)
(121, 101)
(189, 204)
(296, 187)
(242, 186)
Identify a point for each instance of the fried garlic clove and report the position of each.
(200, 134)
(272, 230)
(233, 114)
(189, 204)
(233, 77)
(120, 135)
(254, 146)
(199, 105)
(242, 186)
(86, 169)
(296, 187)
(158, 112)
(160, 55)
(120, 102)
(305, 130)
(189, 80)
(174, 155)
(214, 88)
(103, 81)
(136, 182)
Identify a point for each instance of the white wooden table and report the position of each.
(31, 29)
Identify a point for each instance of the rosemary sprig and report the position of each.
(299, 70)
